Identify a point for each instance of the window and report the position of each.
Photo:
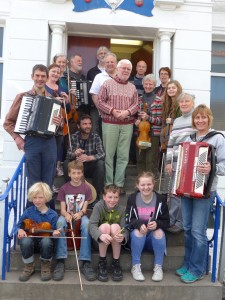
(217, 100)
(1, 63)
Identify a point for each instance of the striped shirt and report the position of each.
(117, 95)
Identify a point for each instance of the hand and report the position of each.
(57, 120)
(73, 92)
(106, 238)
(205, 168)
(116, 113)
(168, 120)
(137, 122)
(20, 142)
(119, 237)
(123, 114)
(169, 169)
(56, 232)
(77, 216)
(143, 115)
(21, 234)
(68, 217)
(65, 97)
(143, 229)
(152, 225)
(84, 158)
(78, 152)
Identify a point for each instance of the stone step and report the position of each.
(172, 261)
(169, 289)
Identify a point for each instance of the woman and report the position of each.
(147, 159)
(61, 60)
(195, 211)
(170, 110)
(53, 88)
(146, 217)
(182, 128)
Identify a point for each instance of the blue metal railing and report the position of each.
(15, 198)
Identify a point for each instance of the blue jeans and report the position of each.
(85, 247)
(41, 156)
(29, 246)
(148, 243)
(195, 214)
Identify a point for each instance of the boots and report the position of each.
(27, 272)
(45, 270)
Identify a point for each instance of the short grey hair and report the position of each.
(110, 54)
(150, 77)
(104, 48)
(124, 61)
(190, 96)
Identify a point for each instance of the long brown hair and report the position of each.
(169, 107)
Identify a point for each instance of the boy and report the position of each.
(107, 222)
(39, 193)
(74, 197)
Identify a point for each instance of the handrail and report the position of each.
(14, 197)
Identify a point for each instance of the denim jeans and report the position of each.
(29, 246)
(195, 214)
(85, 247)
(148, 243)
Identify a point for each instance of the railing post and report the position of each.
(221, 271)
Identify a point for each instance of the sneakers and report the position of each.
(102, 274)
(158, 273)
(117, 274)
(45, 270)
(136, 273)
(27, 272)
(181, 271)
(174, 229)
(88, 271)
(58, 273)
(190, 278)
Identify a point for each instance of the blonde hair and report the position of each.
(111, 188)
(145, 175)
(202, 109)
(39, 187)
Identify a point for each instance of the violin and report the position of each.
(32, 228)
(143, 141)
(166, 136)
(76, 230)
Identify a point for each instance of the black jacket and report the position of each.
(161, 213)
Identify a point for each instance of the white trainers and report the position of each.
(158, 273)
(136, 273)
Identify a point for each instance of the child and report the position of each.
(39, 193)
(74, 197)
(106, 225)
(147, 216)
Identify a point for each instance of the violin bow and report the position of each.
(75, 251)
(69, 94)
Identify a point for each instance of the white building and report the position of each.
(187, 35)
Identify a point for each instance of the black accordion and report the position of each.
(82, 88)
(36, 115)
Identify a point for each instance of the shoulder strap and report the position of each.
(208, 135)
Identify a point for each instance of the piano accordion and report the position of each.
(36, 115)
(188, 181)
(82, 91)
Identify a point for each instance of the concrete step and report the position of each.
(169, 289)
(172, 261)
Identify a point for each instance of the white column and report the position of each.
(165, 47)
(58, 29)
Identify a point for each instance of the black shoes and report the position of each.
(117, 274)
(88, 271)
(59, 270)
(102, 274)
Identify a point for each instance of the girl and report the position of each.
(146, 217)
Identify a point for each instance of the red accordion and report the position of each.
(188, 181)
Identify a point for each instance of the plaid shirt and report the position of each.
(91, 146)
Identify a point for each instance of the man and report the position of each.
(40, 151)
(101, 53)
(117, 102)
(141, 69)
(110, 62)
(76, 66)
(164, 76)
(87, 147)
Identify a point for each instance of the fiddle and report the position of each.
(143, 141)
(166, 135)
(32, 228)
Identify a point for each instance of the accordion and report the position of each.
(188, 181)
(82, 91)
(36, 115)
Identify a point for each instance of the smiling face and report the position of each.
(39, 78)
(76, 176)
(172, 89)
(61, 61)
(39, 201)
(124, 71)
(186, 104)
(54, 74)
(201, 123)
(145, 185)
(164, 77)
(110, 64)
(111, 199)
(148, 86)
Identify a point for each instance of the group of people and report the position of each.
(98, 140)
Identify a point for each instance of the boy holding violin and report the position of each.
(31, 232)
(74, 197)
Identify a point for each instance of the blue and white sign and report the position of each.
(142, 7)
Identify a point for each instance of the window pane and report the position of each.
(217, 102)
(1, 40)
(218, 57)
(1, 71)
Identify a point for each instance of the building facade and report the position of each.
(187, 35)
